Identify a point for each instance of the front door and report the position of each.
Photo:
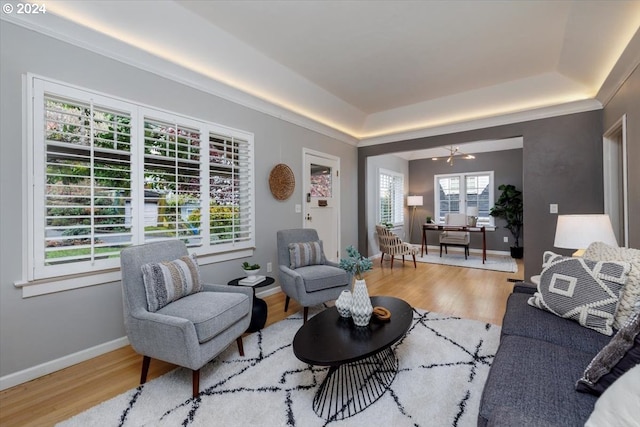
(321, 192)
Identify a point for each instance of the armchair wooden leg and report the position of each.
(403, 259)
(440, 250)
(392, 257)
(414, 261)
(146, 360)
(240, 346)
(286, 304)
(381, 258)
(196, 383)
(305, 314)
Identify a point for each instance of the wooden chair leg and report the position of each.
(414, 262)
(286, 304)
(196, 383)
(440, 250)
(240, 346)
(403, 259)
(146, 360)
(381, 258)
(305, 314)
(392, 258)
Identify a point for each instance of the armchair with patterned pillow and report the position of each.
(170, 315)
(305, 273)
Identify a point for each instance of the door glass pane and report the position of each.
(321, 185)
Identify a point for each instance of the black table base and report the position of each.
(258, 315)
(352, 387)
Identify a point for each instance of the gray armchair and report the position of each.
(455, 238)
(309, 284)
(189, 331)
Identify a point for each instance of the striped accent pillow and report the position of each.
(169, 281)
(306, 253)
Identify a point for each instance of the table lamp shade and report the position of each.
(579, 231)
(472, 211)
(414, 201)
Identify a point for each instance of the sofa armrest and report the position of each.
(524, 288)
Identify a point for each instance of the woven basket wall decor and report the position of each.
(282, 182)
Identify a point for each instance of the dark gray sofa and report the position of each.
(533, 376)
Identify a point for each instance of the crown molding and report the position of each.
(486, 122)
(625, 66)
(69, 32)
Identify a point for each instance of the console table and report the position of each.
(436, 227)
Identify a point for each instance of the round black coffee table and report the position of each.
(361, 363)
(259, 312)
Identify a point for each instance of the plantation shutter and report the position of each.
(87, 183)
(449, 195)
(172, 183)
(230, 187)
(391, 198)
(478, 195)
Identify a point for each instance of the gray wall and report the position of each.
(561, 163)
(507, 168)
(40, 329)
(627, 101)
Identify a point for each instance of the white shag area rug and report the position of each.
(443, 365)
(474, 260)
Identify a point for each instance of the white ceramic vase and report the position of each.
(361, 307)
(343, 304)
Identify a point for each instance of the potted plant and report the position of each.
(250, 269)
(509, 207)
(428, 219)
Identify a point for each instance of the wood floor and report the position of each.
(463, 292)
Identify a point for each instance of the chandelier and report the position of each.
(454, 152)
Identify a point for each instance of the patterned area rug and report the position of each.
(456, 259)
(443, 365)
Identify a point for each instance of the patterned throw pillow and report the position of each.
(621, 354)
(630, 299)
(306, 253)
(169, 281)
(582, 290)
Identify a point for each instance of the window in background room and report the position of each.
(456, 192)
(106, 174)
(391, 197)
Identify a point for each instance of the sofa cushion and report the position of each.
(630, 297)
(523, 320)
(306, 253)
(537, 380)
(321, 277)
(582, 290)
(210, 312)
(169, 281)
(617, 357)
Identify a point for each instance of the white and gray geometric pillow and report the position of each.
(582, 290)
(630, 298)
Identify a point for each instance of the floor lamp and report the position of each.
(413, 201)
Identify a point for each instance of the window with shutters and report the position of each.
(106, 174)
(390, 197)
(457, 192)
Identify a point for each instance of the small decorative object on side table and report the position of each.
(259, 314)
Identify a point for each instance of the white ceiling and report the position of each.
(372, 70)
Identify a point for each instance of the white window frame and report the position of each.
(488, 221)
(398, 200)
(39, 278)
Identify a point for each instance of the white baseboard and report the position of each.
(46, 368)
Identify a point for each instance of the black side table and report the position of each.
(259, 314)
